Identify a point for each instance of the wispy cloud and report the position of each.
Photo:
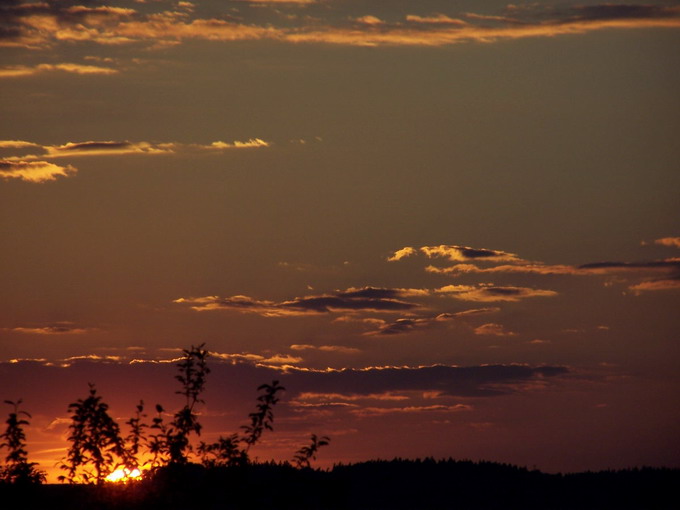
(30, 167)
(125, 147)
(21, 71)
(325, 348)
(531, 268)
(58, 328)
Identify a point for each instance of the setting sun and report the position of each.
(124, 475)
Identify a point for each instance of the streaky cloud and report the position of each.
(21, 71)
(57, 328)
(351, 300)
(656, 285)
(491, 293)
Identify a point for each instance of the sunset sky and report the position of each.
(449, 228)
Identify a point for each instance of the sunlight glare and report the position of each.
(124, 475)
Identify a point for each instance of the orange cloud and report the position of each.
(597, 268)
(34, 171)
(58, 328)
(353, 397)
(400, 36)
(493, 330)
(325, 348)
(39, 25)
(670, 284)
(521, 269)
(16, 144)
(403, 253)
(491, 293)
(438, 19)
(112, 148)
(369, 20)
(19, 71)
(668, 241)
(457, 253)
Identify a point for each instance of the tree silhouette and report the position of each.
(17, 469)
(193, 371)
(96, 446)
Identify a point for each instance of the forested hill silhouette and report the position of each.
(374, 485)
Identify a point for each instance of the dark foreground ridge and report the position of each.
(396, 484)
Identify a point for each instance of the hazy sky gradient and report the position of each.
(481, 196)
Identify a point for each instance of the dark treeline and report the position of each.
(397, 484)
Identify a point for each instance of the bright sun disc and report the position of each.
(124, 475)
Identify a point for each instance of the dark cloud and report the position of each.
(124, 381)
(477, 381)
(57, 328)
(93, 146)
(655, 264)
(619, 11)
(455, 252)
(372, 293)
(411, 324)
(490, 293)
(330, 303)
(365, 299)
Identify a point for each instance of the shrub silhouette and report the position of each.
(306, 453)
(17, 470)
